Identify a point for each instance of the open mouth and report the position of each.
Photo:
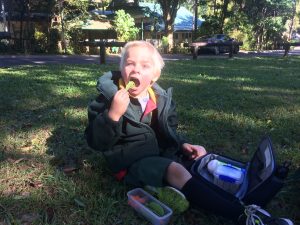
(136, 81)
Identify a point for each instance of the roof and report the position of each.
(96, 25)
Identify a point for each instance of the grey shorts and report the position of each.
(148, 171)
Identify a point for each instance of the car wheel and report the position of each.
(236, 50)
(217, 50)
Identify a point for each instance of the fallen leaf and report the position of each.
(35, 184)
(19, 160)
(25, 194)
(26, 148)
(69, 169)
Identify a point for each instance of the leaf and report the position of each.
(19, 160)
(69, 169)
(35, 184)
(26, 148)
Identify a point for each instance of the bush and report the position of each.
(76, 35)
(4, 46)
(125, 26)
(180, 50)
(40, 41)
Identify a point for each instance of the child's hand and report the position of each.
(193, 151)
(119, 104)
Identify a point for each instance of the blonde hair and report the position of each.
(157, 59)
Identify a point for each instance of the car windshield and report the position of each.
(219, 36)
(203, 38)
(215, 37)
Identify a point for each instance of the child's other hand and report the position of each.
(193, 151)
(119, 104)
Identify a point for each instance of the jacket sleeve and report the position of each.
(173, 125)
(101, 132)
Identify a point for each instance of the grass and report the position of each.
(48, 175)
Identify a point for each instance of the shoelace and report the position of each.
(252, 218)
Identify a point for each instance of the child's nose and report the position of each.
(137, 68)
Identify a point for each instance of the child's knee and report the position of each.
(176, 168)
(177, 175)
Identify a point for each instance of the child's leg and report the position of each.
(177, 175)
(201, 195)
(148, 171)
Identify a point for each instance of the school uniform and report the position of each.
(142, 144)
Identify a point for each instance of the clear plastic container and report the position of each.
(140, 201)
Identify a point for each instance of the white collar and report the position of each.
(143, 101)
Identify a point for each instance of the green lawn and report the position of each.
(48, 175)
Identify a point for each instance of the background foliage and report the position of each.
(260, 24)
(125, 26)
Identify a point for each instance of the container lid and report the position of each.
(262, 164)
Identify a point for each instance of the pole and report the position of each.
(3, 15)
(142, 29)
(195, 19)
(62, 25)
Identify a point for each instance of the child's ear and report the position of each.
(155, 78)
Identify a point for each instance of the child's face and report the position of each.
(139, 67)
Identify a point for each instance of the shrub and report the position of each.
(125, 26)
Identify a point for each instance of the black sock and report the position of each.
(202, 195)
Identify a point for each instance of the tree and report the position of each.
(169, 9)
(292, 19)
(268, 18)
(72, 13)
(125, 26)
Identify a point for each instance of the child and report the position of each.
(135, 129)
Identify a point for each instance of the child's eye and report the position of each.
(146, 66)
(129, 63)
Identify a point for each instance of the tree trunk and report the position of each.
(169, 9)
(291, 24)
(169, 32)
(223, 16)
(21, 30)
(27, 28)
(170, 40)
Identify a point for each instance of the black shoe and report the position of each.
(254, 215)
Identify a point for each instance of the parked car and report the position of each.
(202, 44)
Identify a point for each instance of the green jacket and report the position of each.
(128, 140)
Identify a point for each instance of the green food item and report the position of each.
(172, 199)
(130, 84)
(156, 208)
